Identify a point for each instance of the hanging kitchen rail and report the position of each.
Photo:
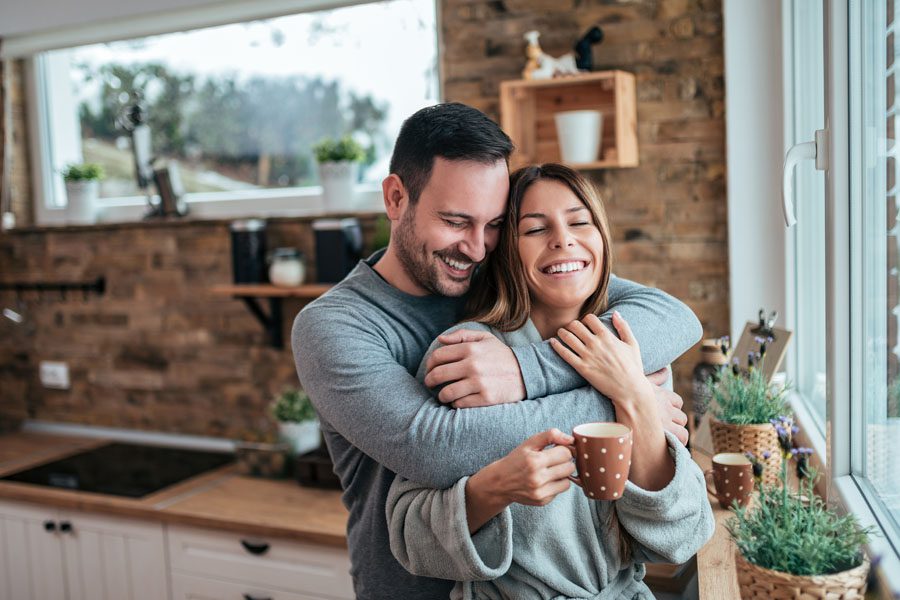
(97, 287)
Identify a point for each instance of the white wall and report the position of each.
(29, 16)
(754, 126)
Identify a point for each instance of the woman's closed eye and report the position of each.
(455, 224)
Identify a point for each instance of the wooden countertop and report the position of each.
(220, 499)
(716, 575)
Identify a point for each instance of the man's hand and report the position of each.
(669, 404)
(476, 369)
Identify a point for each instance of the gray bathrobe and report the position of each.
(557, 551)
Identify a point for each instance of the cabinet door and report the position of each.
(31, 558)
(111, 558)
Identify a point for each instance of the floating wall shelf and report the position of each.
(250, 294)
(527, 109)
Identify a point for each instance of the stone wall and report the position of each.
(160, 352)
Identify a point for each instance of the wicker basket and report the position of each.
(758, 583)
(749, 438)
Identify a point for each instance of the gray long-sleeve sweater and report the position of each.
(562, 550)
(357, 349)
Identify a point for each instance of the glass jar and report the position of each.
(287, 267)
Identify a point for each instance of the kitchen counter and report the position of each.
(220, 499)
(223, 500)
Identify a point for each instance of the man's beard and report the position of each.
(417, 261)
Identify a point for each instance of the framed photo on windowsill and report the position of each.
(749, 344)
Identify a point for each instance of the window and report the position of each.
(239, 106)
(849, 230)
(875, 260)
(806, 242)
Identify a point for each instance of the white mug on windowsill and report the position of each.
(579, 133)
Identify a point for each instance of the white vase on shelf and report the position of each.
(579, 133)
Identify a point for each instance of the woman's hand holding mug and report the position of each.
(534, 473)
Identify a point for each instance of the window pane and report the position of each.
(808, 115)
(879, 244)
(240, 106)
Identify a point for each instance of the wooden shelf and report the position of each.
(311, 290)
(527, 109)
(271, 322)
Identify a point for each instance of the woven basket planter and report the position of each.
(749, 438)
(758, 583)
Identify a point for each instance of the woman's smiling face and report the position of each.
(560, 247)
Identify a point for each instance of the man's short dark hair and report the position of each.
(452, 131)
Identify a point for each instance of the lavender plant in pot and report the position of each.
(82, 188)
(338, 160)
(297, 421)
(745, 407)
(792, 545)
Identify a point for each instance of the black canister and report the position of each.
(338, 248)
(248, 251)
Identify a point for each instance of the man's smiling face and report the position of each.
(454, 225)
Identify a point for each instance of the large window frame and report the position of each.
(297, 201)
(841, 438)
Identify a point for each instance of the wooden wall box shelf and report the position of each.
(527, 108)
(271, 322)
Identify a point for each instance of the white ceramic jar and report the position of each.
(287, 267)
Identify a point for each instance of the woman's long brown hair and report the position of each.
(500, 297)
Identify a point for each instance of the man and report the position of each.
(358, 347)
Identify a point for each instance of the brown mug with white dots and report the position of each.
(733, 479)
(602, 454)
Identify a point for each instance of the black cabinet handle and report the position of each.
(252, 548)
(65, 527)
(49, 526)
(249, 597)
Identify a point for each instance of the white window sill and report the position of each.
(852, 499)
(293, 202)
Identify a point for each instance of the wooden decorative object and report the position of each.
(527, 109)
(758, 583)
(774, 352)
(749, 438)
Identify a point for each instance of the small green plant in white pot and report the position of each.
(338, 160)
(297, 422)
(82, 189)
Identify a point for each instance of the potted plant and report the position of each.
(338, 160)
(297, 422)
(745, 408)
(792, 545)
(82, 189)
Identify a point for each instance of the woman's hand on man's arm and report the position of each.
(534, 473)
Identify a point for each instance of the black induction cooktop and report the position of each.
(121, 469)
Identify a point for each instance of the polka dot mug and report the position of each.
(602, 454)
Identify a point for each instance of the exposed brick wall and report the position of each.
(160, 352)
(669, 215)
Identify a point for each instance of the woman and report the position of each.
(516, 529)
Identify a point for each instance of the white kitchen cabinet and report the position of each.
(216, 564)
(50, 554)
(31, 558)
